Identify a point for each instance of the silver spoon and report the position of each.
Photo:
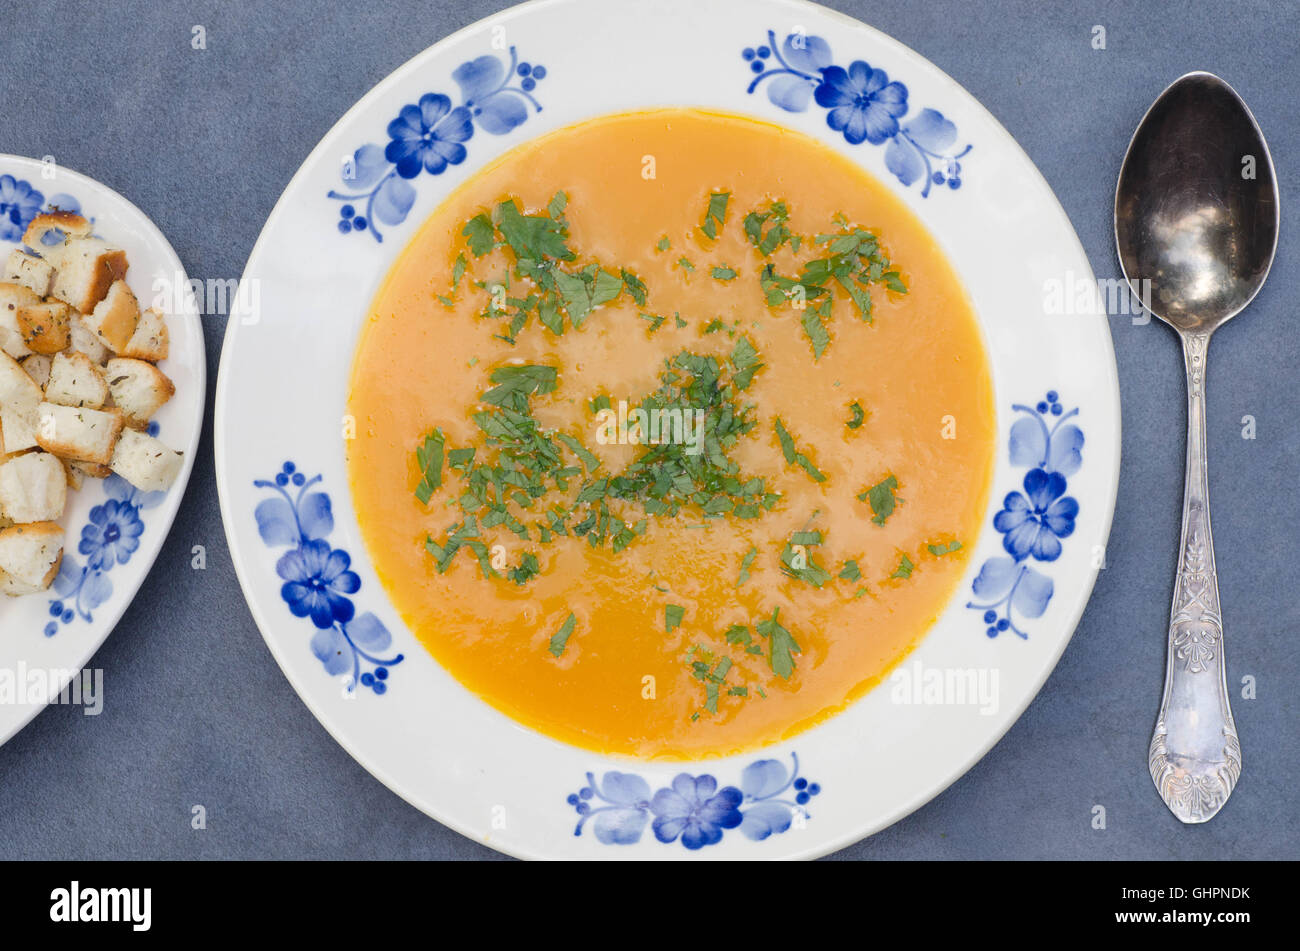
(1196, 216)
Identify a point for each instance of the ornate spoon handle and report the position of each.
(1195, 757)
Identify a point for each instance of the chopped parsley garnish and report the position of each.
(904, 569)
(745, 564)
(850, 571)
(857, 415)
(715, 214)
(881, 498)
(724, 273)
(673, 614)
(664, 244)
(781, 645)
(794, 457)
(685, 264)
(941, 550)
(429, 458)
(776, 233)
(561, 637)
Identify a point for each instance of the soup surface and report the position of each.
(787, 519)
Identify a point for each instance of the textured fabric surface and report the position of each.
(196, 711)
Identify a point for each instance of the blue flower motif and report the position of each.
(112, 535)
(863, 103)
(1034, 523)
(696, 810)
(19, 204)
(428, 136)
(316, 578)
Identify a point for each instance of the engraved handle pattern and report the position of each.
(1195, 757)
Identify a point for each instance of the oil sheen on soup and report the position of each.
(674, 432)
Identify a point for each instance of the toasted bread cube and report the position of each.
(33, 488)
(37, 366)
(16, 387)
(150, 340)
(12, 297)
(76, 381)
(85, 269)
(114, 318)
(74, 432)
(31, 554)
(139, 389)
(44, 326)
(146, 462)
(29, 271)
(69, 223)
(91, 470)
(75, 477)
(81, 339)
(13, 588)
(17, 433)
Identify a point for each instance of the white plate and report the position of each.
(282, 392)
(46, 638)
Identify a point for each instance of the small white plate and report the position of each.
(348, 212)
(45, 639)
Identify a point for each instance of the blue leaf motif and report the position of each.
(764, 818)
(1033, 591)
(393, 201)
(500, 113)
(68, 578)
(275, 522)
(620, 826)
(624, 789)
(931, 131)
(368, 166)
(369, 633)
(791, 93)
(95, 590)
(764, 778)
(1028, 442)
(903, 160)
(479, 77)
(806, 53)
(995, 578)
(315, 515)
(1065, 456)
(332, 649)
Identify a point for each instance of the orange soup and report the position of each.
(673, 432)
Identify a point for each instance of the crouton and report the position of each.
(19, 397)
(37, 366)
(29, 271)
(17, 433)
(83, 341)
(139, 389)
(75, 477)
(150, 340)
(114, 318)
(12, 587)
(145, 462)
(92, 470)
(12, 297)
(44, 326)
(33, 488)
(84, 271)
(72, 432)
(31, 554)
(76, 381)
(69, 223)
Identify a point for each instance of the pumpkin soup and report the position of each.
(674, 431)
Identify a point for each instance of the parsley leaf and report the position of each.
(904, 569)
(794, 457)
(855, 422)
(881, 498)
(941, 550)
(850, 571)
(561, 637)
(429, 458)
(781, 645)
(673, 614)
(745, 564)
(715, 214)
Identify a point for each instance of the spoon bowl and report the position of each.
(1196, 207)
